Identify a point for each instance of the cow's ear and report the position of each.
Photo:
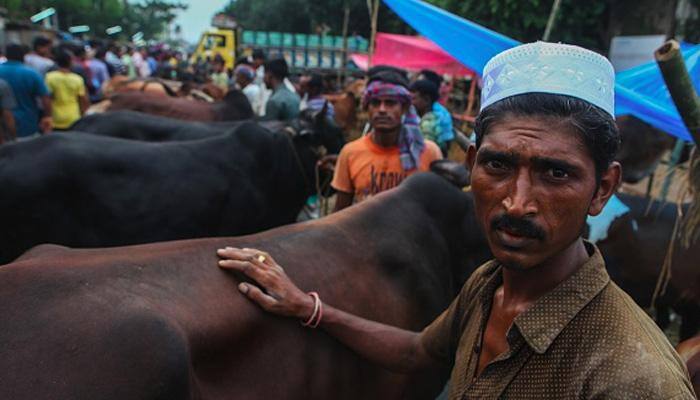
(321, 115)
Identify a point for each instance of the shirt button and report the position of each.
(477, 349)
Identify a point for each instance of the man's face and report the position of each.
(385, 113)
(44, 51)
(420, 102)
(304, 85)
(241, 80)
(268, 79)
(534, 184)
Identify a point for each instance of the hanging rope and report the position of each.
(665, 274)
(690, 232)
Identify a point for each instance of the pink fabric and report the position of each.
(412, 53)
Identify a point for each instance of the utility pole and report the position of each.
(346, 21)
(373, 37)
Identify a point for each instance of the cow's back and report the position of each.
(82, 308)
(88, 191)
(128, 124)
(173, 107)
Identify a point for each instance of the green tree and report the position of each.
(302, 16)
(150, 16)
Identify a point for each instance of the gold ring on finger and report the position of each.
(261, 258)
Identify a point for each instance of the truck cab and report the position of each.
(221, 40)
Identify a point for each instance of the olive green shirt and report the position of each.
(586, 339)
(283, 104)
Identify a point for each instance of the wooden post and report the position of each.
(471, 99)
(680, 86)
(373, 37)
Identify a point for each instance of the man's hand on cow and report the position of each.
(279, 295)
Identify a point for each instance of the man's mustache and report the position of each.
(518, 226)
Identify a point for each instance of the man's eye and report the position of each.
(558, 173)
(495, 164)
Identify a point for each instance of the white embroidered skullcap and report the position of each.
(555, 68)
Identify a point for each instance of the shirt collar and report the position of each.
(547, 317)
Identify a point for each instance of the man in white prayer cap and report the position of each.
(542, 320)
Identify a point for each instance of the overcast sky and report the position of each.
(198, 17)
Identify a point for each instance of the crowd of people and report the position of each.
(48, 87)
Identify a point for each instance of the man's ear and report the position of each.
(471, 157)
(609, 182)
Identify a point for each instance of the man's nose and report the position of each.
(521, 200)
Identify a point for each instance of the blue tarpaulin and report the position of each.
(639, 91)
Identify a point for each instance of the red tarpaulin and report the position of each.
(413, 54)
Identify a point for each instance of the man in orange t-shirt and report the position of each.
(390, 152)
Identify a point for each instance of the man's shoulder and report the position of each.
(18, 68)
(432, 146)
(627, 351)
(355, 146)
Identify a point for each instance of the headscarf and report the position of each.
(411, 143)
(245, 70)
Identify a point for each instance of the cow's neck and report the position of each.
(293, 178)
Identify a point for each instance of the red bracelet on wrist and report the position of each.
(315, 318)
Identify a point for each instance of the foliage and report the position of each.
(303, 16)
(151, 17)
(690, 29)
(590, 24)
(525, 20)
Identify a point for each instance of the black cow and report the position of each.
(83, 190)
(127, 124)
(162, 321)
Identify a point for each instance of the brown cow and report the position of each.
(689, 351)
(234, 106)
(634, 252)
(347, 110)
(163, 321)
(154, 86)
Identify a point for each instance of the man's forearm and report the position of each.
(11, 128)
(342, 200)
(393, 348)
(84, 104)
(46, 105)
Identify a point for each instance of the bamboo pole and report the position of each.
(552, 19)
(680, 86)
(686, 99)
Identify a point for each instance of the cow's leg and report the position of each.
(144, 357)
(663, 319)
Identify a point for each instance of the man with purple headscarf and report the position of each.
(392, 150)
